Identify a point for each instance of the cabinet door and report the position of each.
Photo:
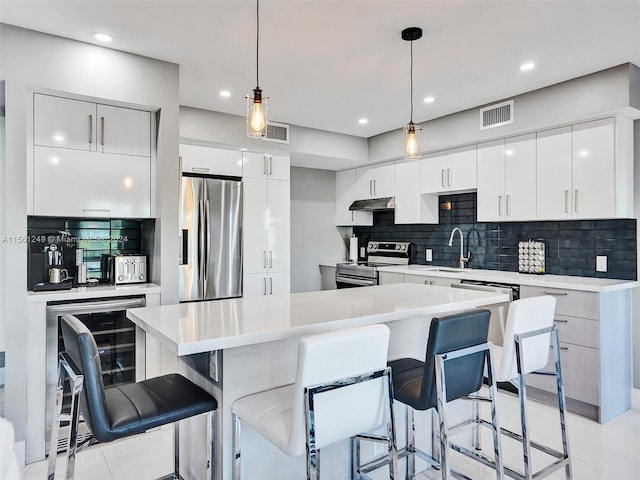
(411, 205)
(433, 173)
(62, 122)
(345, 196)
(254, 285)
(491, 181)
(75, 183)
(594, 169)
(255, 218)
(461, 169)
(383, 180)
(124, 131)
(278, 252)
(278, 283)
(520, 178)
(254, 165)
(364, 183)
(553, 174)
(212, 161)
(278, 167)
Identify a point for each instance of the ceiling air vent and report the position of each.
(277, 132)
(496, 115)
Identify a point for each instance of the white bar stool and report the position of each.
(343, 388)
(529, 335)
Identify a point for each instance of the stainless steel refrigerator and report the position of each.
(211, 226)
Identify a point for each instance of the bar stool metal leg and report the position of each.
(236, 466)
(53, 446)
(411, 444)
(441, 388)
(561, 403)
(493, 393)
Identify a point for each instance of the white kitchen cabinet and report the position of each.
(258, 165)
(554, 174)
(77, 183)
(80, 125)
(375, 182)
(266, 235)
(411, 206)
(507, 179)
(210, 161)
(453, 170)
(345, 196)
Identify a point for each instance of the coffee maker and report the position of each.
(52, 262)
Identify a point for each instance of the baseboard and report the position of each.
(635, 399)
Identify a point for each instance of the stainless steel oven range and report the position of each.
(365, 274)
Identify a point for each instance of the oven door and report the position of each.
(350, 281)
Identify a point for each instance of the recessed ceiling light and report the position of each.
(363, 121)
(429, 99)
(225, 93)
(525, 67)
(103, 37)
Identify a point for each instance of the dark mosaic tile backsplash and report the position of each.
(571, 246)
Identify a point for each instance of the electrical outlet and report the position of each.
(429, 255)
(601, 263)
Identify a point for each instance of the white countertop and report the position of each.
(550, 281)
(197, 327)
(98, 291)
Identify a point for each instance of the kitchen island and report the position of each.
(236, 347)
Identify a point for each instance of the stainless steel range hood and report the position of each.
(374, 204)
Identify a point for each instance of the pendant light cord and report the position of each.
(257, 42)
(411, 91)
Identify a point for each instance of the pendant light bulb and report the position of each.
(256, 114)
(412, 141)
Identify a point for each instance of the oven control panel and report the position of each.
(389, 247)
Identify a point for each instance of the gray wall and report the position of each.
(612, 90)
(32, 60)
(314, 236)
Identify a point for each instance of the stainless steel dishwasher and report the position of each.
(498, 311)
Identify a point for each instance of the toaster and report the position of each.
(129, 269)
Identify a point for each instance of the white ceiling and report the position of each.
(325, 64)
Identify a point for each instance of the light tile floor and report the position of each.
(600, 452)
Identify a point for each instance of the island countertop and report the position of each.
(197, 327)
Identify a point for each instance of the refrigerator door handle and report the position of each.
(184, 258)
(201, 239)
(207, 227)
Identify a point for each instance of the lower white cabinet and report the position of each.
(273, 283)
(595, 351)
(386, 278)
(77, 183)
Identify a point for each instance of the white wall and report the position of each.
(31, 60)
(314, 236)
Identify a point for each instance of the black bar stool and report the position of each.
(120, 411)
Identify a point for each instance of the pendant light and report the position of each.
(257, 104)
(412, 131)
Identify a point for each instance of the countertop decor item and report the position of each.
(257, 105)
(531, 257)
(412, 131)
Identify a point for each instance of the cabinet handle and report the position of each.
(353, 215)
(264, 256)
(448, 177)
(101, 210)
(500, 205)
(564, 348)
(264, 286)
(508, 204)
(264, 165)
(200, 169)
(442, 180)
(270, 259)
(370, 187)
(556, 294)
(374, 187)
(90, 128)
(102, 131)
(566, 201)
(270, 160)
(270, 286)
(428, 282)
(575, 200)
(561, 321)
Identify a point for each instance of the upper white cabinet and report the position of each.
(375, 182)
(585, 171)
(210, 161)
(90, 159)
(258, 165)
(411, 205)
(266, 233)
(454, 170)
(507, 179)
(80, 125)
(345, 196)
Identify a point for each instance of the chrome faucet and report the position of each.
(463, 259)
